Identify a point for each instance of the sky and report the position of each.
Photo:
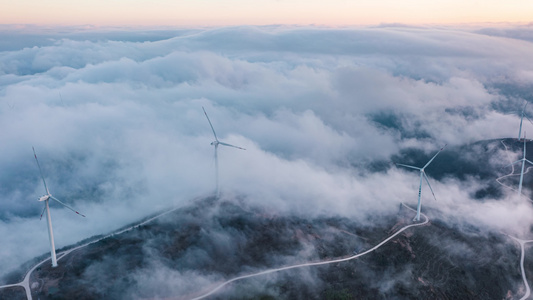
(261, 12)
(115, 114)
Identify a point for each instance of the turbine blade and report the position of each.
(524, 145)
(40, 171)
(231, 146)
(512, 164)
(210, 124)
(44, 208)
(529, 161)
(528, 119)
(426, 177)
(512, 112)
(409, 166)
(54, 198)
(434, 156)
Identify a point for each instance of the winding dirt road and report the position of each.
(26, 282)
(221, 285)
(522, 249)
(512, 172)
(520, 241)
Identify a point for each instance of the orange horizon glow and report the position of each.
(262, 12)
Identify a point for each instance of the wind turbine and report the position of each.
(46, 208)
(523, 160)
(522, 115)
(422, 176)
(215, 143)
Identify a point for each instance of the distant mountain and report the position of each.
(210, 241)
(187, 252)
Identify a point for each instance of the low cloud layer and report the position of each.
(118, 125)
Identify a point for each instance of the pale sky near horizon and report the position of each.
(261, 12)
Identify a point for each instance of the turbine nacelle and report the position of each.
(44, 198)
(523, 161)
(46, 209)
(215, 143)
(523, 114)
(422, 177)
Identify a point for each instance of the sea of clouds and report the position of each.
(116, 119)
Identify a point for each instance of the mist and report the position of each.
(117, 123)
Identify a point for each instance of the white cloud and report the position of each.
(120, 133)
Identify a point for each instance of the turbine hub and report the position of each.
(44, 198)
(215, 143)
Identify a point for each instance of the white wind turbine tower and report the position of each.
(523, 160)
(422, 175)
(215, 143)
(46, 208)
(522, 115)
